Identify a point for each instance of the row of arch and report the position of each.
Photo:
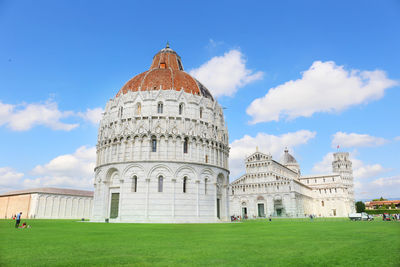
(160, 148)
(175, 137)
(261, 187)
(157, 170)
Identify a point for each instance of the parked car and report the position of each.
(363, 216)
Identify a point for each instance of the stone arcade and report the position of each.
(270, 188)
(162, 150)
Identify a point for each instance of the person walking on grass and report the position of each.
(18, 219)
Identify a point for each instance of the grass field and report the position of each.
(283, 242)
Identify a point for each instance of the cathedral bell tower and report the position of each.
(341, 164)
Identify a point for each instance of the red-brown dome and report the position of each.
(165, 73)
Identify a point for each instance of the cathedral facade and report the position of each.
(271, 188)
(162, 150)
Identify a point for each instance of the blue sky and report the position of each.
(309, 75)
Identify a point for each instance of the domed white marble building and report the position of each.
(162, 150)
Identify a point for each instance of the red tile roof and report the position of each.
(165, 73)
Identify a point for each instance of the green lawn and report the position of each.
(282, 242)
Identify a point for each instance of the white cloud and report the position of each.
(362, 173)
(224, 75)
(74, 170)
(360, 169)
(70, 170)
(324, 166)
(387, 187)
(267, 144)
(356, 140)
(324, 87)
(397, 138)
(25, 116)
(9, 178)
(92, 115)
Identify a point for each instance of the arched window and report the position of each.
(138, 109)
(134, 184)
(153, 144)
(180, 108)
(160, 183)
(184, 184)
(205, 187)
(185, 145)
(322, 203)
(160, 108)
(201, 113)
(120, 112)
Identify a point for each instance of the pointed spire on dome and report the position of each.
(167, 46)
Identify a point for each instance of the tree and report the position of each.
(360, 206)
(393, 206)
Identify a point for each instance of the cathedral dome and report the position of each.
(287, 158)
(166, 73)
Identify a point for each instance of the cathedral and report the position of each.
(162, 150)
(271, 188)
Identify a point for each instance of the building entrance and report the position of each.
(114, 207)
(244, 212)
(279, 212)
(261, 210)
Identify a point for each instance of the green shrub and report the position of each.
(381, 211)
(360, 206)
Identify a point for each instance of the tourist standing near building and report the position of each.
(18, 219)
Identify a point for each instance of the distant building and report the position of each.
(373, 205)
(271, 188)
(47, 203)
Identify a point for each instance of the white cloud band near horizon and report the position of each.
(75, 170)
(224, 75)
(324, 88)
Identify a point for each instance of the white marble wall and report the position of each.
(205, 184)
(53, 206)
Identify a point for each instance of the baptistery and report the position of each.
(162, 150)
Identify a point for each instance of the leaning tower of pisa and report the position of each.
(341, 164)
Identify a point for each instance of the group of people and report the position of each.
(390, 217)
(17, 219)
